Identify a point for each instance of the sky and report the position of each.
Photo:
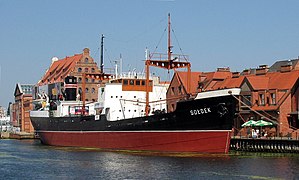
(238, 34)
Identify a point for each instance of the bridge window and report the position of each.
(125, 82)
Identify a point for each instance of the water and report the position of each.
(28, 159)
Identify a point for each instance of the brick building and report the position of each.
(20, 108)
(269, 93)
(71, 66)
(200, 81)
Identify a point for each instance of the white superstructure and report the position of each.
(124, 97)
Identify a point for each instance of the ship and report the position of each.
(131, 114)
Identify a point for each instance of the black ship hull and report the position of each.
(200, 121)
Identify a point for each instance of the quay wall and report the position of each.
(274, 145)
(20, 135)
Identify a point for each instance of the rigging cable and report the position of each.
(179, 45)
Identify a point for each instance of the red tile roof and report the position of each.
(258, 82)
(208, 78)
(274, 80)
(229, 83)
(283, 80)
(60, 69)
(194, 80)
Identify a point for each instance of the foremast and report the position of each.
(169, 64)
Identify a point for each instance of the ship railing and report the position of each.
(161, 57)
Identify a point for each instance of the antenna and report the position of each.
(120, 64)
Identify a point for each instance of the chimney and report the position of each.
(86, 52)
(235, 74)
(223, 69)
(246, 72)
(262, 70)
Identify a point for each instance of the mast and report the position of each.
(102, 54)
(166, 64)
(169, 41)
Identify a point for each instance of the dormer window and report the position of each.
(273, 98)
(86, 60)
(262, 99)
(79, 69)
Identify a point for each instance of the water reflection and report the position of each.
(30, 160)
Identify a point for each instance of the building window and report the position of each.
(79, 80)
(246, 99)
(273, 98)
(86, 79)
(172, 90)
(180, 89)
(79, 69)
(86, 69)
(125, 82)
(92, 70)
(86, 60)
(138, 82)
(262, 99)
(86, 90)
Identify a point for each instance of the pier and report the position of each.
(274, 145)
